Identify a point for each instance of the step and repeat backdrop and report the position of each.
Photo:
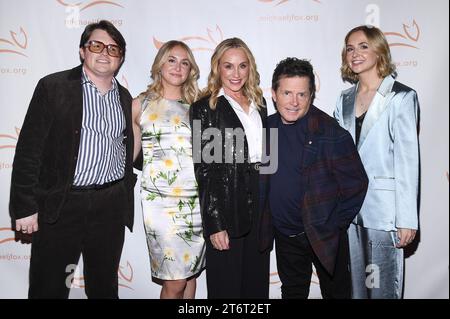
(41, 37)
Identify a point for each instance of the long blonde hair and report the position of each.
(251, 88)
(377, 39)
(189, 90)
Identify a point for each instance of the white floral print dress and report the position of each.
(170, 205)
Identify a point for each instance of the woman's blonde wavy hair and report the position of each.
(189, 90)
(251, 88)
(379, 43)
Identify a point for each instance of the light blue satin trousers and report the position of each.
(376, 265)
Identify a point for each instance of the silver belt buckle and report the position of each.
(296, 235)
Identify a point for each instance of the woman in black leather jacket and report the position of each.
(227, 125)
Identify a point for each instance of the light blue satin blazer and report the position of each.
(389, 149)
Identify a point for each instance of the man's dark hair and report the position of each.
(292, 67)
(110, 29)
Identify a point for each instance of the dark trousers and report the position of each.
(295, 258)
(242, 271)
(90, 223)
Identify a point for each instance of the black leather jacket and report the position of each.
(224, 191)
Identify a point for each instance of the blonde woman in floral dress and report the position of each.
(169, 197)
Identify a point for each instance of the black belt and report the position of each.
(95, 186)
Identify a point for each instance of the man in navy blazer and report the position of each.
(72, 180)
(317, 189)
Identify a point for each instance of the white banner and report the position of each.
(42, 37)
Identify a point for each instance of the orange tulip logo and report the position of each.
(199, 43)
(125, 274)
(5, 235)
(411, 34)
(16, 44)
(87, 4)
(8, 143)
(280, 2)
(276, 280)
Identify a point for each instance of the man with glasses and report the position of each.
(72, 180)
(317, 190)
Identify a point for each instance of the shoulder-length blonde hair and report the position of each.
(251, 88)
(189, 90)
(379, 43)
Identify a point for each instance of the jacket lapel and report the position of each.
(75, 97)
(384, 95)
(73, 102)
(310, 148)
(231, 116)
(128, 134)
(229, 120)
(348, 110)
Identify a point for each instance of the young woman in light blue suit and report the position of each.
(382, 115)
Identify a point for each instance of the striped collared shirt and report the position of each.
(101, 156)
